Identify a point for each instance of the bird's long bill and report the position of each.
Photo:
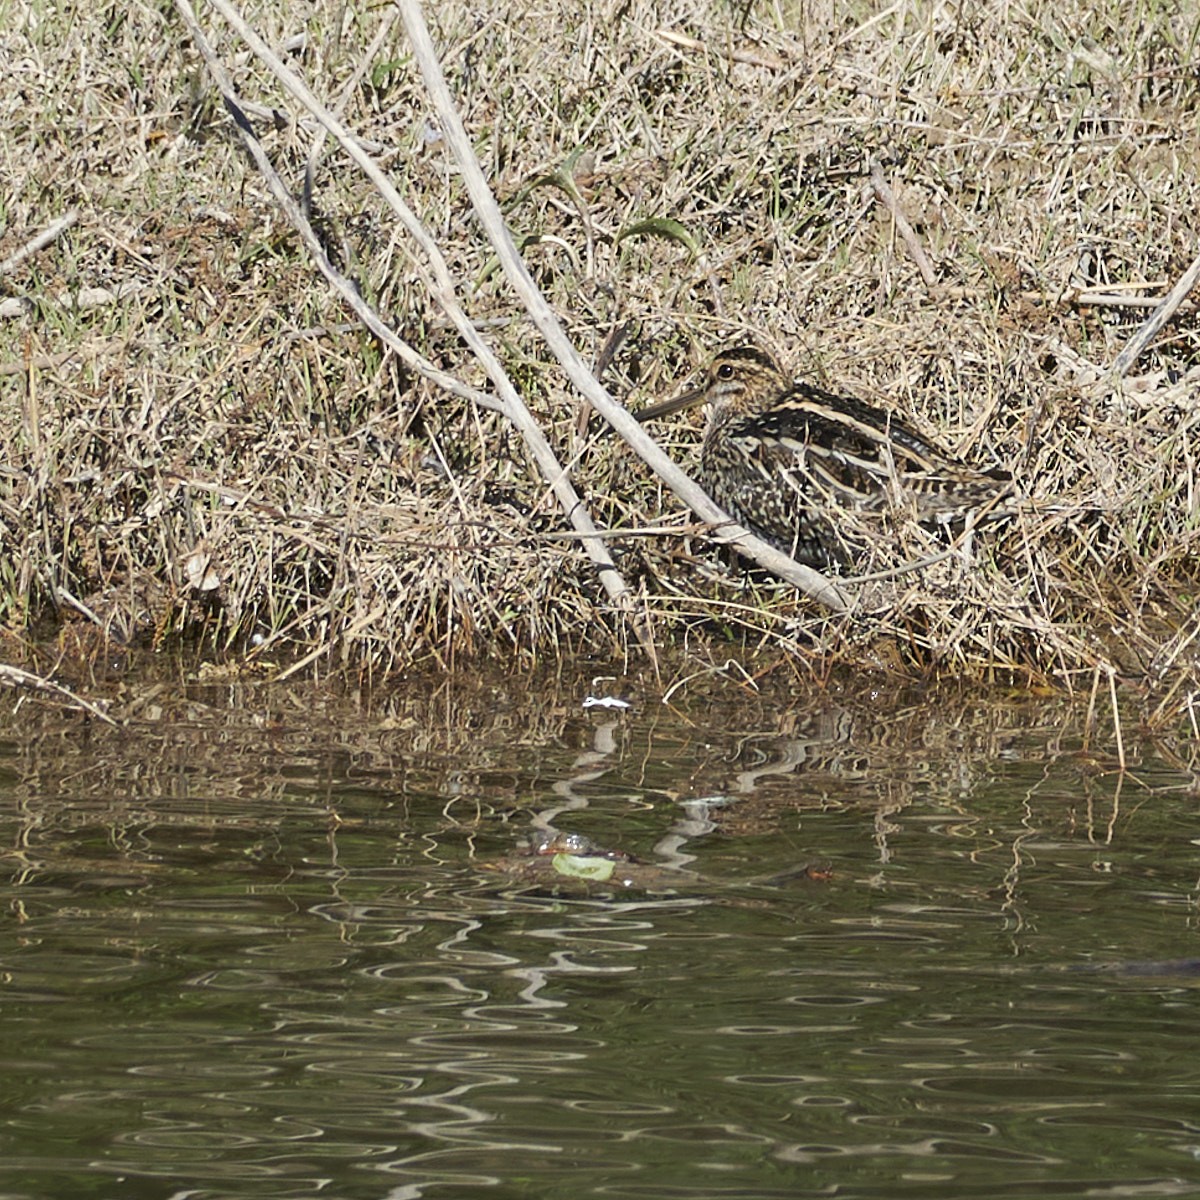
(674, 405)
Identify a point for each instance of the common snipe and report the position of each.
(783, 457)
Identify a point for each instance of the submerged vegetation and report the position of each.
(965, 213)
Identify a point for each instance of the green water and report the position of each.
(262, 942)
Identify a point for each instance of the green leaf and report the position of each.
(664, 227)
(563, 176)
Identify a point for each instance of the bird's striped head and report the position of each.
(740, 379)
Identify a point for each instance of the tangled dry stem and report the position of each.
(964, 214)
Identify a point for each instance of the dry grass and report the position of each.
(194, 436)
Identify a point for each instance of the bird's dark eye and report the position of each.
(725, 371)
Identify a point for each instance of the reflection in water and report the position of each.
(290, 950)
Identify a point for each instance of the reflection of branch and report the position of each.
(582, 772)
(15, 677)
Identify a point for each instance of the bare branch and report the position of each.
(441, 286)
(1155, 321)
(17, 678)
(343, 286)
(754, 58)
(40, 242)
(488, 211)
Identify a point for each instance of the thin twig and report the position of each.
(753, 58)
(363, 622)
(42, 240)
(1075, 297)
(47, 362)
(278, 118)
(349, 89)
(887, 198)
(1136, 344)
(809, 581)
(1087, 299)
(729, 665)
(1157, 319)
